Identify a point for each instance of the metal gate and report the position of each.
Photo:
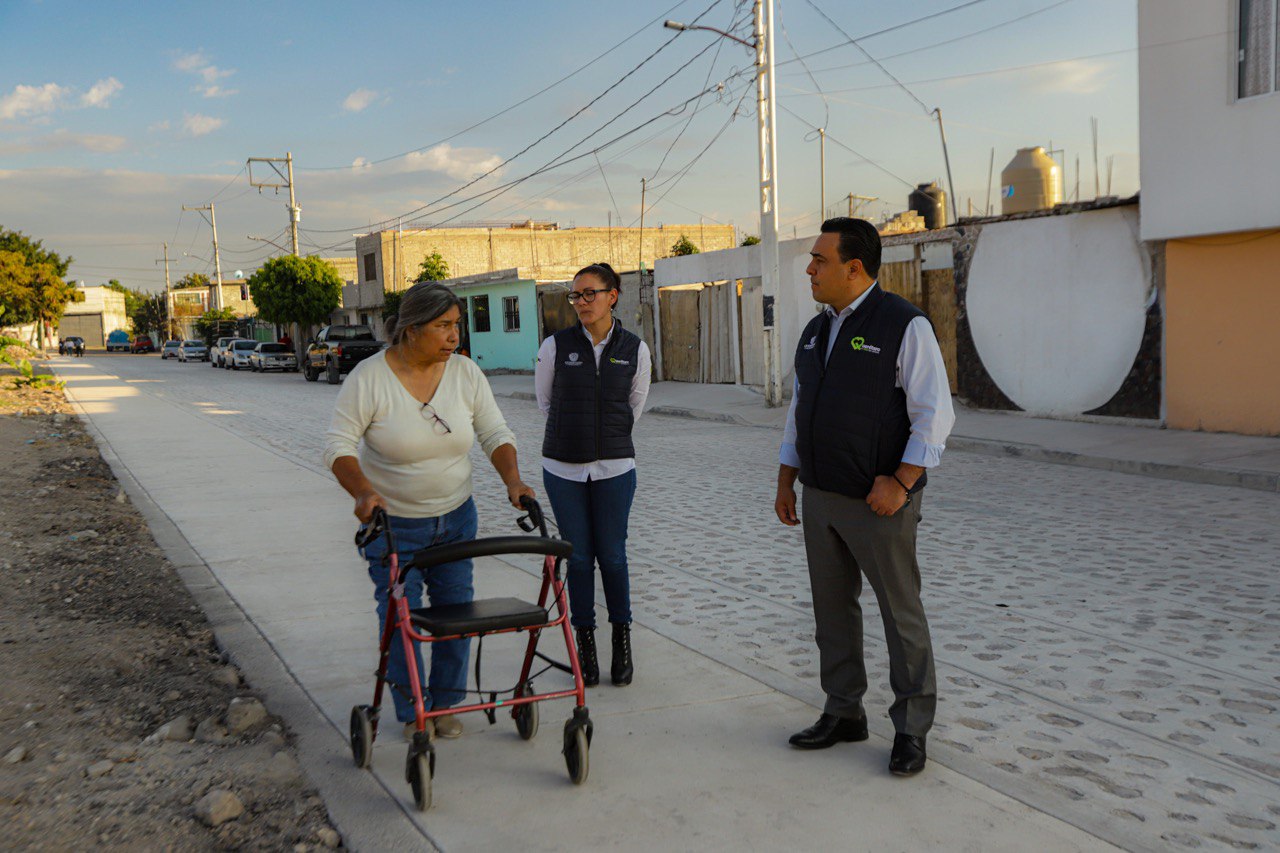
(87, 326)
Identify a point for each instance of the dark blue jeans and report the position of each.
(593, 517)
(445, 584)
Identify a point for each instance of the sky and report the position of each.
(115, 115)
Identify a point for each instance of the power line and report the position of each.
(868, 55)
(506, 110)
(826, 106)
(544, 136)
(859, 154)
(945, 42)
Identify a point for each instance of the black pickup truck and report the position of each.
(336, 350)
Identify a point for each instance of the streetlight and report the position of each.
(272, 242)
(768, 133)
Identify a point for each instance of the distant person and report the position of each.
(79, 347)
(286, 340)
(592, 380)
(419, 409)
(871, 412)
(62, 347)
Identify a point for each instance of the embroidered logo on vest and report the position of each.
(813, 342)
(573, 360)
(860, 344)
(613, 360)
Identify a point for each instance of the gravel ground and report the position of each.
(121, 722)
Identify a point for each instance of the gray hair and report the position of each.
(421, 304)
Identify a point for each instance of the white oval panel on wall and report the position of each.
(1057, 307)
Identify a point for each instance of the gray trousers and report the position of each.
(844, 540)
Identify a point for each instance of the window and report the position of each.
(370, 267)
(364, 318)
(480, 311)
(1256, 60)
(511, 313)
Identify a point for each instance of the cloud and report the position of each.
(101, 93)
(96, 142)
(200, 125)
(359, 99)
(461, 164)
(160, 125)
(31, 100)
(1077, 77)
(198, 63)
(361, 163)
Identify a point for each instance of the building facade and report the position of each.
(1209, 96)
(97, 312)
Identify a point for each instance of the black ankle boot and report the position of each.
(587, 656)
(622, 668)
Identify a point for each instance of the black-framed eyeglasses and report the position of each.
(588, 295)
(437, 423)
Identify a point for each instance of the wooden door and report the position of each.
(681, 335)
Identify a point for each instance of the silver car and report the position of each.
(237, 354)
(193, 351)
(273, 357)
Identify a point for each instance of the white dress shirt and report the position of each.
(920, 374)
(544, 375)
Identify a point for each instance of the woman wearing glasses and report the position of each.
(591, 381)
(419, 409)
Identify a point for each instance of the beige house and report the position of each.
(97, 312)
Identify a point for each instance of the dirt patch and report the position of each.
(121, 722)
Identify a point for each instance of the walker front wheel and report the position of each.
(361, 736)
(575, 754)
(420, 767)
(526, 720)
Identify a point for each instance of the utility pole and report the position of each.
(640, 258)
(217, 260)
(822, 175)
(991, 166)
(951, 187)
(1097, 188)
(281, 181)
(766, 102)
(168, 309)
(860, 201)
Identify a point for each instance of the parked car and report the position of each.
(142, 343)
(237, 354)
(218, 351)
(193, 351)
(336, 350)
(118, 341)
(273, 357)
(170, 349)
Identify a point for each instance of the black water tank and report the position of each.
(929, 201)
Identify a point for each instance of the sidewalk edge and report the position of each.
(357, 802)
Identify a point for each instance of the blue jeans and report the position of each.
(449, 583)
(593, 517)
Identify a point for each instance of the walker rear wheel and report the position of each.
(361, 736)
(526, 720)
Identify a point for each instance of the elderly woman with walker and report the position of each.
(402, 429)
(591, 382)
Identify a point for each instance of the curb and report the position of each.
(1158, 470)
(356, 801)
(1253, 480)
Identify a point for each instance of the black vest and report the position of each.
(590, 415)
(851, 421)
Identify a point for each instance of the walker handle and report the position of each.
(378, 524)
(535, 520)
(441, 554)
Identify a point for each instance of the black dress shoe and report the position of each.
(908, 755)
(622, 668)
(829, 731)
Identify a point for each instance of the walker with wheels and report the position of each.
(478, 618)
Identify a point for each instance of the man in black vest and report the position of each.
(871, 412)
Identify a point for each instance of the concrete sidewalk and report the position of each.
(1133, 447)
(691, 756)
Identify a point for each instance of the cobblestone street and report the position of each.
(1108, 646)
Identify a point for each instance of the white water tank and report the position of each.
(1031, 181)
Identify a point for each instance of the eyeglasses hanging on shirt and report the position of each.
(588, 295)
(437, 423)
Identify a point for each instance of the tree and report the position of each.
(683, 246)
(193, 279)
(290, 289)
(33, 251)
(750, 240)
(433, 268)
(150, 316)
(216, 324)
(31, 285)
(391, 303)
